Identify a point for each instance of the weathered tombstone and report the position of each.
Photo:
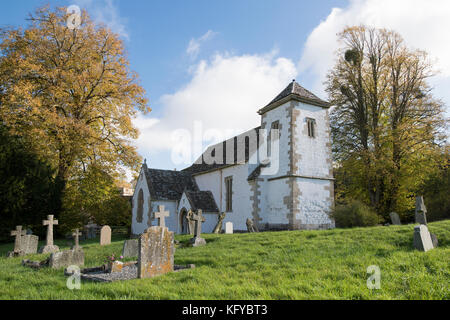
(76, 236)
(24, 244)
(434, 240)
(197, 240)
(161, 215)
(395, 219)
(49, 247)
(190, 222)
(219, 225)
(130, 248)
(105, 236)
(229, 228)
(421, 211)
(422, 238)
(156, 250)
(66, 258)
(90, 230)
(18, 233)
(251, 226)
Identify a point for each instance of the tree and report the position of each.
(71, 92)
(28, 189)
(385, 122)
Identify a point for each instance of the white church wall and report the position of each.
(275, 193)
(315, 153)
(136, 227)
(315, 203)
(171, 220)
(242, 206)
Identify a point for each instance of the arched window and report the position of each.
(140, 208)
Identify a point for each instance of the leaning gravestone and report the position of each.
(156, 250)
(251, 226)
(66, 258)
(49, 247)
(229, 227)
(421, 211)
(130, 248)
(219, 225)
(422, 238)
(197, 240)
(105, 236)
(395, 219)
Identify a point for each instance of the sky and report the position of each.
(209, 65)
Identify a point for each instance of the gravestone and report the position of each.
(161, 215)
(251, 226)
(190, 222)
(421, 211)
(422, 238)
(90, 231)
(197, 240)
(18, 233)
(229, 228)
(76, 236)
(66, 258)
(24, 243)
(156, 250)
(49, 247)
(105, 236)
(130, 248)
(219, 225)
(395, 219)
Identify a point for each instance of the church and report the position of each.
(279, 175)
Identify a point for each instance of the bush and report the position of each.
(355, 214)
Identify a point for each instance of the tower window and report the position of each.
(311, 123)
(275, 126)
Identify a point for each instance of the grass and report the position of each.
(277, 265)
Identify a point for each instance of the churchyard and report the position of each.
(328, 264)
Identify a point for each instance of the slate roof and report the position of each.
(257, 172)
(199, 167)
(202, 200)
(168, 184)
(300, 93)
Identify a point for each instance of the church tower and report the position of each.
(301, 193)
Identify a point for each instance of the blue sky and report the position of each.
(217, 62)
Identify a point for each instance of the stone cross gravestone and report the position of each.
(130, 248)
(422, 238)
(197, 240)
(24, 243)
(229, 228)
(76, 236)
(395, 219)
(18, 233)
(105, 236)
(49, 247)
(156, 250)
(421, 211)
(90, 231)
(219, 225)
(190, 222)
(161, 215)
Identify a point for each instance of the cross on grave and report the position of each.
(161, 215)
(50, 222)
(18, 233)
(198, 218)
(76, 236)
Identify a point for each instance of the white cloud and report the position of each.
(423, 25)
(224, 94)
(193, 48)
(107, 12)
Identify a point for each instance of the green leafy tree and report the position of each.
(386, 125)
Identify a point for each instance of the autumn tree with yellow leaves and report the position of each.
(71, 93)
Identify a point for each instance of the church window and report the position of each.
(229, 193)
(311, 123)
(275, 126)
(140, 208)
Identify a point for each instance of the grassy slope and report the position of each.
(282, 265)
